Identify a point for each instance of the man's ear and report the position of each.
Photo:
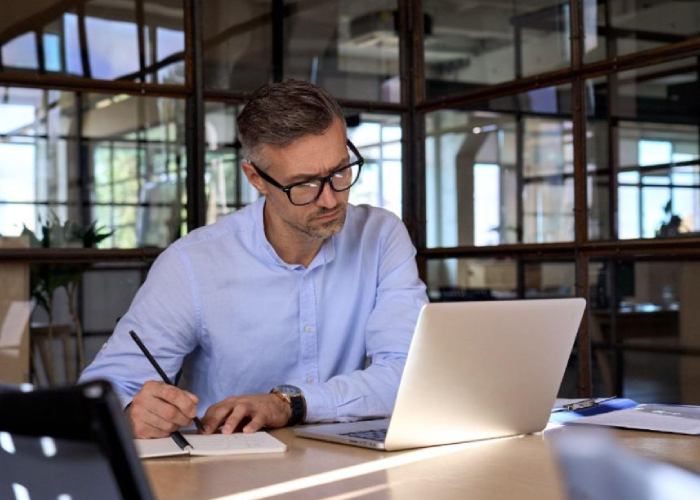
(253, 177)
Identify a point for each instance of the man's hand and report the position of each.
(159, 409)
(253, 411)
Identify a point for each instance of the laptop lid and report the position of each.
(68, 442)
(479, 370)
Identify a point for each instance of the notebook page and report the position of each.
(162, 447)
(231, 444)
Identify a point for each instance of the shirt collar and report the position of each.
(325, 255)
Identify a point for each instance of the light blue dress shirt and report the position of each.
(222, 304)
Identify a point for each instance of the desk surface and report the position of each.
(521, 467)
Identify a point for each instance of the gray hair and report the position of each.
(280, 113)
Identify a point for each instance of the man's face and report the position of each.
(308, 157)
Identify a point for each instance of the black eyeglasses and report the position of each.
(309, 190)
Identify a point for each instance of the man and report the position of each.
(300, 307)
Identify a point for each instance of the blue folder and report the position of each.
(563, 416)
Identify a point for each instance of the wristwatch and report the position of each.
(295, 399)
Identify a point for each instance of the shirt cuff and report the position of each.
(124, 399)
(319, 404)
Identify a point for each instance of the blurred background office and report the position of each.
(537, 148)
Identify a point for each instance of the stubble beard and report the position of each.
(321, 230)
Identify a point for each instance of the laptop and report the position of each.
(68, 442)
(475, 370)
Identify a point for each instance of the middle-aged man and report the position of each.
(297, 308)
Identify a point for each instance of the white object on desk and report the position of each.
(211, 444)
(650, 417)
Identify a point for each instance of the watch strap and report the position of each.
(297, 404)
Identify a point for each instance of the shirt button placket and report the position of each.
(308, 329)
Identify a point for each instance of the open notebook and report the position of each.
(211, 444)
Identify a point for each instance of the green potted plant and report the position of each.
(46, 279)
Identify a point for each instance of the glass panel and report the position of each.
(549, 279)
(656, 150)
(350, 48)
(237, 45)
(473, 164)
(617, 27)
(164, 38)
(108, 289)
(637, 307)
(227, 188)
(378, 138)
(129, 158)
(471, 279)
(21, 52)
(471, 44)
(152, 51)
(103, 28)
(548, 184)
(598, 179)
(136, 150)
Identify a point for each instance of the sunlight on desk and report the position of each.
(385, 463)
(519, 467)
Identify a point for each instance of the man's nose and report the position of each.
(327, 198)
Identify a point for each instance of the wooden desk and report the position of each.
(521, 467)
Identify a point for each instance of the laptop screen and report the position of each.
(67, 443)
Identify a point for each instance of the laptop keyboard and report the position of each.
(371, 435)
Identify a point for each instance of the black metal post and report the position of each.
(194, 116)
(277, 40)
(412, 78)
(578, 111)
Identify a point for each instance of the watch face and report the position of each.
(289, 390)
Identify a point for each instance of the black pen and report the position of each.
(162, 374)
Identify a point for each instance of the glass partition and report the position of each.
(651, 116)
(458, 279)
(378, 138)
(472, 44)
(549, 280)
(502, 172)
(70, 159)
(618, 27)
(81, 40)
(350, 48)
(640, 314)
(227, 188)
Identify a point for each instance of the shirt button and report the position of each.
(309, 380)
(309, 329)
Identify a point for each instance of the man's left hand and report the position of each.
(258, 410)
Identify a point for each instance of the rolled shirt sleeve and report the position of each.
(164, 315)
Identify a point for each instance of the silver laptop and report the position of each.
(475, 370)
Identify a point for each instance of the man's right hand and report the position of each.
(159, 409)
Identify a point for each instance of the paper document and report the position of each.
(211, 444)
(650, 417)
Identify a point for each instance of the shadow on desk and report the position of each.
(595, 466)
